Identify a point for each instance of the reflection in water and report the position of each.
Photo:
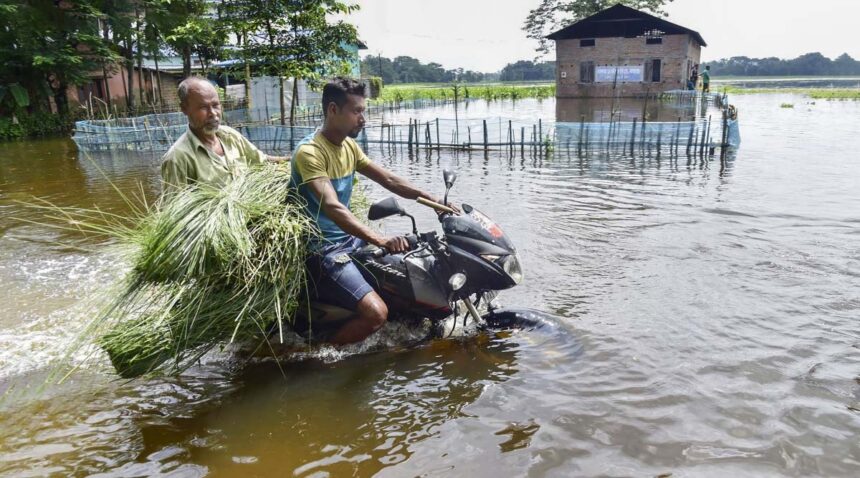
(601, 110)
(304, 418)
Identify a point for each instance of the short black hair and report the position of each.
(336, 90)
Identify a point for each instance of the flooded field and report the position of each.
(707, 325)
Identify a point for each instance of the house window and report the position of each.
(652, 71)
(586, 72)
(654, 41)
(587, 42)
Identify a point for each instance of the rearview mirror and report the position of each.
(385, 208)
(449, 176)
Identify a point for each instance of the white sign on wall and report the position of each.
(607, 74)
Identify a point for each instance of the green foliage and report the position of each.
(188, 29)
(31, 125)
(375, 86)
(814, 93)
(45, 47)
(294, 38)
(405, 69)
(552, 15)
(48, 47)
(835, 94)
(808, 64)
(489, 92)
(15, 96)
(525, 70)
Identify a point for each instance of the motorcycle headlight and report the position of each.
(509, 263)
(457, 281)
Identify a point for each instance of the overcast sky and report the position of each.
(484, 35)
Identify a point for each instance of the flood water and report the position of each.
(707, 326)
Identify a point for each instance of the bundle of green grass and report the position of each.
(209, 266)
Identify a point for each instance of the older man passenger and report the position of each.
(208, 153)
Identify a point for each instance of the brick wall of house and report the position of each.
(117, 84)
(677, 53)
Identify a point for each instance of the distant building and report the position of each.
(623, 52)
(353, 58)
(95, 91)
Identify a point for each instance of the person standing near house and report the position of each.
(208, 152)
(694, 78)
(706, 80)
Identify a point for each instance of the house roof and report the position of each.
(621, 21)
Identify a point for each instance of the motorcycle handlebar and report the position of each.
(412, 239)
(435, 205)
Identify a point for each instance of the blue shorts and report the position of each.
(334, 278)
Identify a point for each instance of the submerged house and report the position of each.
(623, 52)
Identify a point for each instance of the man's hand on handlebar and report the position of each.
(451, 205)
(395, 244)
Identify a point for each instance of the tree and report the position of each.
(50, 46)
(525, 70)
(405, 69)
(295, 39)
(808, 64)
(551, 15)
(845, 65)
(189, 28)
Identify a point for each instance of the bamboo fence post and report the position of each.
(410, 134)
(690, 138)
(485, 135)
(522, 139)
(642, 133)
(581, 133)
(540, 131)
(633, 138)
(707, 134)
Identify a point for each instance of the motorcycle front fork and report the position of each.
(471, 307)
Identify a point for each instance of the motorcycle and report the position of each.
(468, 264)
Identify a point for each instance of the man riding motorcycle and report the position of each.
(323, 169)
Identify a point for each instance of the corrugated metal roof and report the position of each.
(621, 21)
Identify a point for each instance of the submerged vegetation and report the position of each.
(814, 93)
(207, 267)
(489, 92)
(835, 94)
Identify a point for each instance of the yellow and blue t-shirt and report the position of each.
(316, 157)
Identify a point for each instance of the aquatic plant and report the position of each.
(488, 92)
(814, 93)
(835, 94)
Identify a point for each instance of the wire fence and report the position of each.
(157, 132)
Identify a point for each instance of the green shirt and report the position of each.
(188, 161)
(316, 157)
(706, 76)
